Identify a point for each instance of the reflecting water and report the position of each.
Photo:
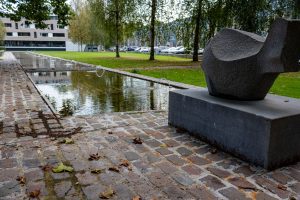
(32, 62)
(91, 92)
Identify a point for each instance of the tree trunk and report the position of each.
(197, 31)
(117, 29)
(152, 28)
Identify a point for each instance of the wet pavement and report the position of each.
(117, 155)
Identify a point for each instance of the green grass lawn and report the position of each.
(127, 60)
(285, 85)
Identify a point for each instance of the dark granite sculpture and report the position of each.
(242, 65)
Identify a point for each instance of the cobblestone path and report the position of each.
(118, 155)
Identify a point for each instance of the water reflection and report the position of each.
(90, 94)
(33, 62)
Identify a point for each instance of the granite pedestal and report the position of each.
(265, 132)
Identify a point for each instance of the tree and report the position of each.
(152, 28)
(79, 28)
(2, 32)
(36, 11)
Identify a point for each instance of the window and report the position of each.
(59, 26)
(53, 17)
(23, 34)
(27, 24)
(44, 34)
(7, 24)
(9, 34)
(58, 35)
(51, 26)
(35, 36)
(17, 25)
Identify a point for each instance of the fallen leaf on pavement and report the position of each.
(137, 141)
(107, 194)
(110, 132)
(126, 163)
(214, 151)
(94, 156)
(21, 179)
(164, 146)
(137, 198)
(114, 169)
(46, 167)
(96, 171)
(66, 141)
(35, 193)
(282, 187)
(62, 168)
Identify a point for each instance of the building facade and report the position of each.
(22, 35)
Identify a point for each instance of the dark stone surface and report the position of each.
(243, 65)
(266, 133)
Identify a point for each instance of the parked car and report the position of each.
(200, 51)
(179, 50)
(144, 50)
(137, 49)
(168, 50)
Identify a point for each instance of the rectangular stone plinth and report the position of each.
(265, 133)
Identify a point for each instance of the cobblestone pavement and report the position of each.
(108, 159)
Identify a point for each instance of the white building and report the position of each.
(24, 36)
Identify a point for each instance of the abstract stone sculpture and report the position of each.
(242, 65)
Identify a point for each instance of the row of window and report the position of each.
(27, 34)
(35, 43)
(27, 25)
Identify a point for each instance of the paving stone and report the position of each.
(152, 158)
(201, 193)
(245, 170)
(171, 143)
(271, 186)
(8, 163)
(174, 192)
(182, 179)
(198, 160)
(59, 176)
(184, 151)
(167, 167)
(281, 177)
(34, 175)
(212, 182)
(92, 192)
(123, 192)
(8, 174)
(86, 178)
(233, 194)
(219, 172)
(64, 188)
(159, 179)
(176, 160)
(264, 196)
(242, 183)
(296, 187)
(40, 185)
(31, 163)
(141, 166)
(153, 143)
(192, 169)
(8, 188)
(131, 156)
(164, 151)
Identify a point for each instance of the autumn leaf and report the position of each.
(126, 163)
(163, 146)
(21, 179)
(35, 193)
(213, 151)
(137, 198)
(94, 156)
(114, 169)
(137, 141)
(96, 171)
(62, 168)
(110, 132)
(66, 141)
(107, 194)
(282, 187)
(46, 167)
